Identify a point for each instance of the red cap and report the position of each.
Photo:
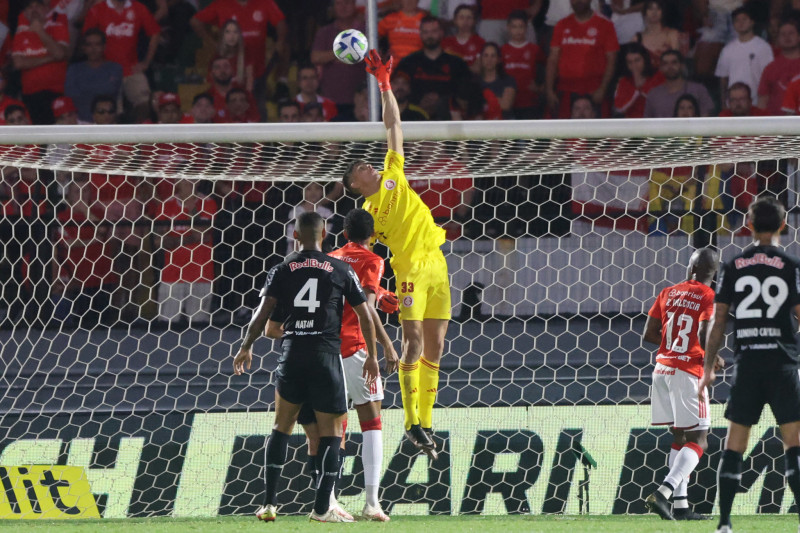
(167, 99)
(63, 105)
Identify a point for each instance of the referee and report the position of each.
(311, 287)
(762, 288)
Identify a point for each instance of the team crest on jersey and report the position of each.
(389, 184)
(258, 16)
(130, 15)
(408, 301)
(591, 32)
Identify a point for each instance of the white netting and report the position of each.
(125, 289)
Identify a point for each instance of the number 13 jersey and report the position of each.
(681, 308)
(762, 286)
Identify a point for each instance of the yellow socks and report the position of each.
(409, 377)
(428, 385)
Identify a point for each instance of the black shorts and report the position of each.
(312, 377)
(306, 415)
(778, 387)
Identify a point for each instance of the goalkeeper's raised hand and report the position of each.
(382, 71)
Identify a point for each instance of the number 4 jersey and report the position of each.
(311, 287)
(681, 308)
(762, 286)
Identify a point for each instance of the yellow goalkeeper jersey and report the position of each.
(402, 220)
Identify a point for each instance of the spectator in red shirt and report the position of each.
(203, 111)
(737, 106)
(520, 60)
(237, 107)
(465, 44)
(338, 81)
(784, 68)
(221, 75)
(638, 77)
(6, 101)
(401, 29)
(64, 111)
(39, 50)
(123, 21)
(82, 269)
(255, 17)
(184, 292)
(583, 54)
(308, 84)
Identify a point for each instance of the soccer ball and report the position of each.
(350, 46)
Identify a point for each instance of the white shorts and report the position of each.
(357, 389)
(675, 400)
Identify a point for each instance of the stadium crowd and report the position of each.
(236, 61)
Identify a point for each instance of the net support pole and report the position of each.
(372, 84)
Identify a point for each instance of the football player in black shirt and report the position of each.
(311, 287)
(761, 286)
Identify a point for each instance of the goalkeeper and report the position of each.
(404, 223)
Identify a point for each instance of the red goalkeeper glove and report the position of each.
(387, 301)
(382, 71)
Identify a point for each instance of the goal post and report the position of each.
(133, 256)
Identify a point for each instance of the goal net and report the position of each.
(133, 257)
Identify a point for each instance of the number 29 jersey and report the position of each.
(681, 308)
(311, 288)
(762, 286)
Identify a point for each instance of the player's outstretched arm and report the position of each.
(244, 358)
(716, 336)
(389, 352)
(391, 112)
(371, 370)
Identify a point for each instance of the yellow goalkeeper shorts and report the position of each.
(423, 288)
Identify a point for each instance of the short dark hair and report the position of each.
(517, 14)
(462, 7)
(430, 18)
(203, 96)
(235, 90)
(766, 215)
(104, 98)
(306, 66)
(686, 97)
(705, 264)
(359, 225)
(743, 10)
(348, 172)
(287, 103)
(309, 222)
(741, 85)
(12, 109)
(95, 31)
(672, 52)
(27, 3)
(792, 22)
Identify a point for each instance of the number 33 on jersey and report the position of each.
(681, 308)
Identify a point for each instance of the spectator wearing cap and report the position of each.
(221, 76)
(169, 110)
(255, 18)
(338, 81)
(308, 84)
(203, 111)
(744, 58)
(6, 100)
(39, 50)
(401, 87)
(64, 111)
(93, 77)
(122, 22)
